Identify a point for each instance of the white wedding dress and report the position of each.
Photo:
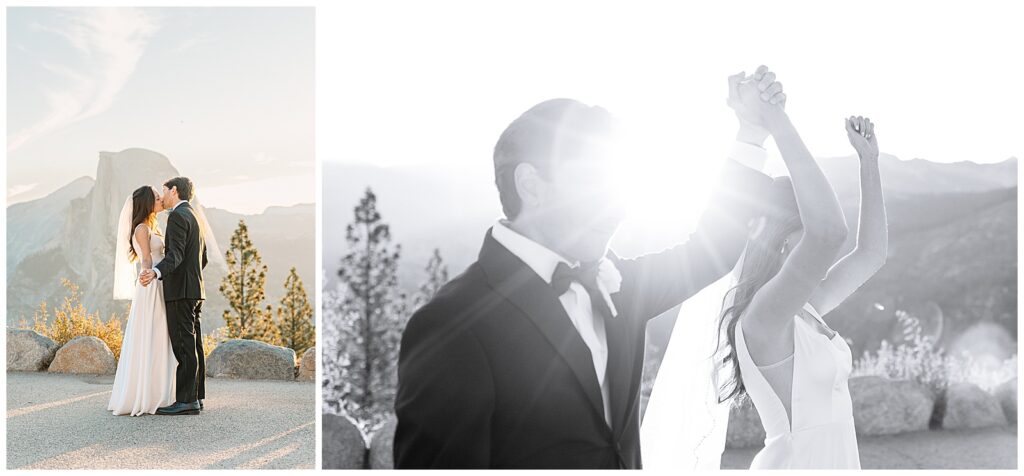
(822, 435)
(145, 372)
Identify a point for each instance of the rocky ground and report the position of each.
(989, 448)
(60, 422)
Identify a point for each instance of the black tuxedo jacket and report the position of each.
(181, 270)
(492, 373)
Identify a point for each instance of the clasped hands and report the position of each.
(147, 276)
(758, 101)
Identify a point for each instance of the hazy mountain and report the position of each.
(952, 237)
(918, 176)
(34, 225)
(426, 208)
(70, 234)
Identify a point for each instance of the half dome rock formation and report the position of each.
(88, 237)
(70, 234)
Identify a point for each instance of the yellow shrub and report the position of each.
(72, 320)
(213, 339)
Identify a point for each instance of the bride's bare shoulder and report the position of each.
(143, 231)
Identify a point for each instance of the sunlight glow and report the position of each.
(662, 184)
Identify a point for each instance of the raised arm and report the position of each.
(654, 283)
(771, 310)
(854, 269)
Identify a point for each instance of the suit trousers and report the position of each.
(187, 344)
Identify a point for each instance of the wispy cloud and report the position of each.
(110, 41)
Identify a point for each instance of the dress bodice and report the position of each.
(821, 404)
(156, 249)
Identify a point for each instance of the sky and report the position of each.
(432, 84)
(442, 80)
(227, 94)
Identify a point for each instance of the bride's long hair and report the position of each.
(143, 204)
(763, 258)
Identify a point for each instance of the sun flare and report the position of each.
(663, 187)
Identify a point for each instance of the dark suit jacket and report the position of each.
(492, 373)
(181, 270)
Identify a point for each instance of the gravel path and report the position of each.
(61, 422)
(988, 448)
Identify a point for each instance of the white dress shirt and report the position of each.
(751, 155)
(575, 301)
(175, 207)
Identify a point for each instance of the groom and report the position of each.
(532, 358)
(181, 271)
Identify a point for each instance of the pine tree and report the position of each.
(372, 314)
(437, 276)
(335, 385)
(243, 287)
(295, 316)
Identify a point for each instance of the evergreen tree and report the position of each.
(437, 276)
(372, 314)
(295, 316)
(243, 287)
(334, 384)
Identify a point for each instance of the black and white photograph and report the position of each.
(589, 235)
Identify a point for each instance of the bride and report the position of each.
(145, 372)
(793, 366)
(778, 351)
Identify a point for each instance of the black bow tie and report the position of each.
(586, 275)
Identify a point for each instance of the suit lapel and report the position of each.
(623, 356)
(620, 363)
(511, 278)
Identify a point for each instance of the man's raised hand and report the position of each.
(757, 99)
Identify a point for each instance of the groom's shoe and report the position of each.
(200, 404)
(179, 409)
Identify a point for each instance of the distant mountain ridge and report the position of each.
(943, 217)
(43, 216)
(902, 178)
(70, 233)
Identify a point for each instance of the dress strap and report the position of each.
(814, 313)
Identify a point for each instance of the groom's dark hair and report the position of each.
(184, 186)
(553, 128)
